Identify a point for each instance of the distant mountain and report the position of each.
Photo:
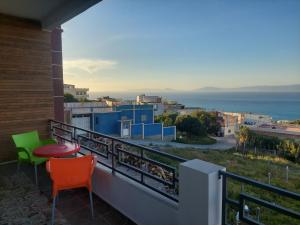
(263, 88)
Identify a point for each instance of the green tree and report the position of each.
(190, 125)
(168, 119)
(243, 136)
(208, 120)
(69, 98)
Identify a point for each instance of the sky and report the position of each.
(128, 45)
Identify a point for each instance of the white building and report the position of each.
(230, 123)
(156, 101)
(142, 99)
(252, 119)
(78, 93)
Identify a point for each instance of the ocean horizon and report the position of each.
(279, 105)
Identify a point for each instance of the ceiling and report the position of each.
(50, 13)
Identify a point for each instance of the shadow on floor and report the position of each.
(23, 203)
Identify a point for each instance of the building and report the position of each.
(278, 130)
(79, 93)
(142, 99)
(80, 113)
(253, 119)
(132, 121)
(230, 124)
(126, 121)
(156, 101)
(31, 63)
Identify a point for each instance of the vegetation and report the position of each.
(257, 167)
(69, 98)
(203, 140)
(296, 122)
(190, 125)
(193, 128)
(208, 120)
(287, 148)
(168, 119)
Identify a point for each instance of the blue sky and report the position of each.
(127, 45)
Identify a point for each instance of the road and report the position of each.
(223, 143)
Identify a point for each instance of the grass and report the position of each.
(256, 167)
(202, 140)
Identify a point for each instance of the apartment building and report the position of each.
(78, 93)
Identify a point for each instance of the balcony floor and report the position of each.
(23, 203)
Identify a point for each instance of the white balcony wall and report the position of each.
(200, 196)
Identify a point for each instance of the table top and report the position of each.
(56, 150)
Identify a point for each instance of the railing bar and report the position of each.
(93, 140)
(61, 137)
(261, 185)
(145, 173)
(152, 188)
(149, 160)
(62, 129)
(269, 205)
(232, 202)
(95, 151)
(251, 221)
(128, 143)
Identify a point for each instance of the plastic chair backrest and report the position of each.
(29, 140)
(71, 172)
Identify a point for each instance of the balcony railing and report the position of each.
(158, 171)
(152, 168)
(254, 196)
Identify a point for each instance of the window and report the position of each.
(97, 120)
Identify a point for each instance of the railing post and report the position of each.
(224, 195)
(142, 159)
(51, 129)
(113, 156)
(200, 193)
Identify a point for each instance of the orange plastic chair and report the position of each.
(68, 173)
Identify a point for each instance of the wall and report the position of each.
(140, 204)
(153, 131)
(137, 130)
(107, 123)
(57, 72)
(147, 114)
(200, 196)
(169, 133)
(26, 86)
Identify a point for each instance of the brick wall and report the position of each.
(26, 81)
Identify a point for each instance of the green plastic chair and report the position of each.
(26, 143)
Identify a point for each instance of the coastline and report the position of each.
(279, 105)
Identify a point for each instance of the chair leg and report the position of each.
(35, 174)
(53, 210)
(91, 203)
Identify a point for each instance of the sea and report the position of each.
(279, 105)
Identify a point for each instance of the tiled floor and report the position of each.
(22, 202)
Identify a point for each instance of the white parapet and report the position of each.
(200, 193)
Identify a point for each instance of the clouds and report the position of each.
(89, 66)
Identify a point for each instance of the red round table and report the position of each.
(56, 150)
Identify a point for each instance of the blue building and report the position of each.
(135, 121)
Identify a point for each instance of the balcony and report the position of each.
(132, 184)
(22, 202)
(129, 179)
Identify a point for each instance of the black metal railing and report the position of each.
(255, 197)
(152, 168)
